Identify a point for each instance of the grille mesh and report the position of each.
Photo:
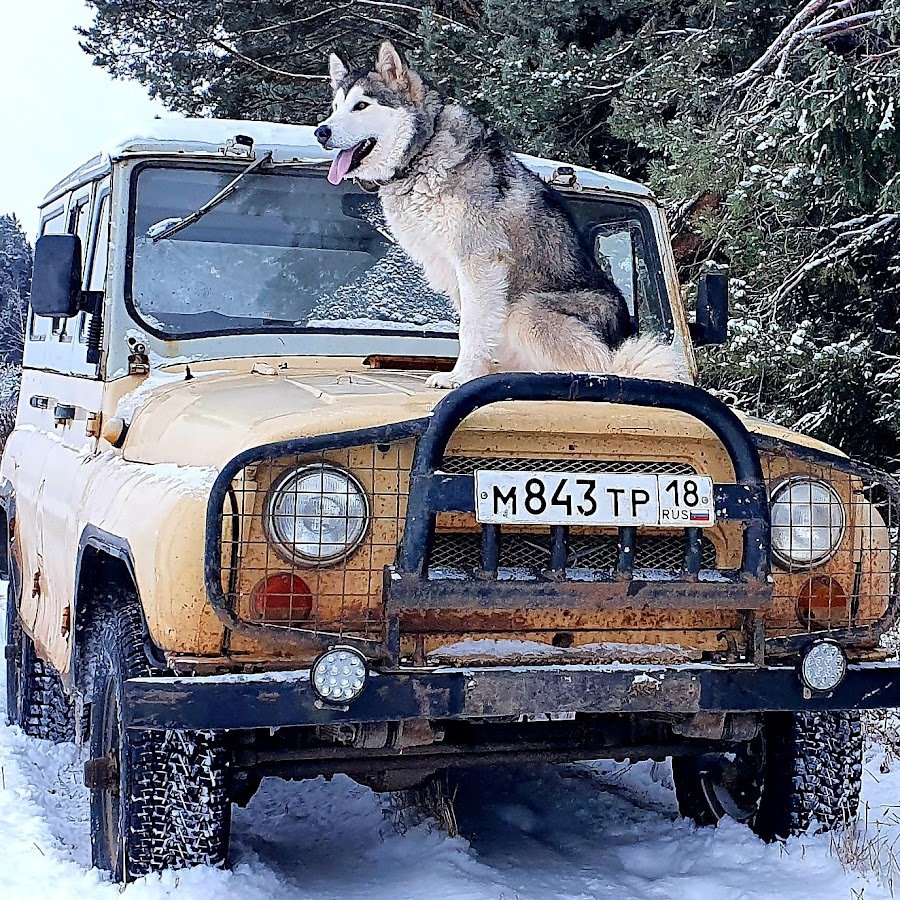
(466, 465)
(462, 550)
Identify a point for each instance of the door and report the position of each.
(56, 433)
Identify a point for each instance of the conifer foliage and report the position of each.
(771, 129)
(15, 286)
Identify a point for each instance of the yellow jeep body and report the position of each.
(116, 459)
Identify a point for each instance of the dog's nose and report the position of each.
(323, 134)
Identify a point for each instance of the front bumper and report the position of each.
(286, 699)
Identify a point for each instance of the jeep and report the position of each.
(245, 539)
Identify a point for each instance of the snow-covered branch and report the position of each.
(806, 15)
(228, 48)
(852, 236)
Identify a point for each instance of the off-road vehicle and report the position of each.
(246, 540)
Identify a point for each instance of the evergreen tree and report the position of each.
(770, 128)
(259, 60)
(15, 286)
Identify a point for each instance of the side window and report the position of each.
(620, 249)
(37, 326)
(96, 280)
(79, 223)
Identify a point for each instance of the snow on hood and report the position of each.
(193, 481)
(211, 417)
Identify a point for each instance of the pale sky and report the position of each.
(56, 108)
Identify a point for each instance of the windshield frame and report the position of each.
(315, 170)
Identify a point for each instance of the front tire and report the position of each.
(158, 799)
(803, 769)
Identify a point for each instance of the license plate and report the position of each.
(561, 498)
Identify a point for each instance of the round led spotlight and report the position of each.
(339, 674)
(823, 666)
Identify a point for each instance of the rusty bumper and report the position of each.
(285, 699)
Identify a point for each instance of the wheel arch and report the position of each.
(104, 563)
(8, 568)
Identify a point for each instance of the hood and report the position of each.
(215, 415)
(209, 419)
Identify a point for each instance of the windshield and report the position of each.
(289, 252)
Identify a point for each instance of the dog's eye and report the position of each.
(359, 107)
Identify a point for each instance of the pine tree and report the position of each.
(769, 128)
(15, 287)
(259, 60)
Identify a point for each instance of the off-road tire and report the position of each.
(806, 769)
(165, 802)
(36, 700)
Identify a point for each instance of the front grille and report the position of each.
(467, 465)
(462, 550)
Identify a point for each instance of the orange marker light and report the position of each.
(822, 603)
(282, 597)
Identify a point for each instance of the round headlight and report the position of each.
(807, 522)
(823, 666)
(317, 515)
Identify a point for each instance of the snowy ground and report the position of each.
(604, 831)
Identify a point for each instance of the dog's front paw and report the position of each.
(457, 376)
(453, 379)
(443, 381)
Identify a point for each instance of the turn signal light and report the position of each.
(282, 597)
(822, 603)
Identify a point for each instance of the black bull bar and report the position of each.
(412, 593)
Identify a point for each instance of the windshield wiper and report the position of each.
(212, 203)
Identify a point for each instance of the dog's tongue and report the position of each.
(339, 165)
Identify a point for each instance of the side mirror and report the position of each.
(56, 282)
(711, 326)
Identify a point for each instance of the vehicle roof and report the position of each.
(288, 143)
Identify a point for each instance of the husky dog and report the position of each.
(487, 232)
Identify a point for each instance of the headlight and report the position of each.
(317, 515)
(807, 522)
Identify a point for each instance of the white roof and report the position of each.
(288, 143)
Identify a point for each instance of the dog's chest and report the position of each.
(420, 221)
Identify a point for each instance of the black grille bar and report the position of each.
(692, 551)
(432, 491)
(559, 548)
(627, 537)
(490, 550)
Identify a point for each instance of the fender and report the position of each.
(111, 545)
(9, 564)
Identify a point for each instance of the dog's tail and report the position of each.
(646, 356)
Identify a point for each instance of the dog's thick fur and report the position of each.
(488, 233)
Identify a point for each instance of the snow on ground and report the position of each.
(604, 830)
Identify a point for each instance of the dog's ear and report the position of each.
(337, 70)
(390, 66)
